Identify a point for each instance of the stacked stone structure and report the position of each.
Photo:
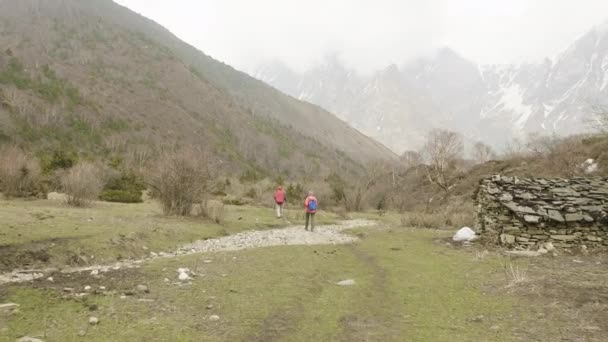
(530, 212)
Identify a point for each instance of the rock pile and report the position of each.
(530, 212)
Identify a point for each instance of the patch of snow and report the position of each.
(590, 166)
(548, 109)
(605, 76)
(464, 234)
(512, 99)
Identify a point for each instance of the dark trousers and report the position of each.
(310, 217)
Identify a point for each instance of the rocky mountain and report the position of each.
(96, 79)
(494, 103)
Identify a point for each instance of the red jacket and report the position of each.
(307, 202)
(279, 196)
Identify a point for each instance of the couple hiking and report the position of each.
(310, 204)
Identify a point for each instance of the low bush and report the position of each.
(213, 210)
(123, 188)
(82, 184)
(295, 192)
(120, 196)
(180, 180)
(251, 193)
(20, 174)
(57, 160)
(230, 200)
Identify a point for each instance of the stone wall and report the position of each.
(527, 213)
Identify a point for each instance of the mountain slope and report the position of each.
(495, 103)
(93, 77)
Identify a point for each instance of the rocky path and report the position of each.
(294, 235)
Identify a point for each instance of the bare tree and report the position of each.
(516, 148)
(411, 159)
(442, 150)
(483, 152)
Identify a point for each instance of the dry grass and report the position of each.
(449, 216)
(213, 210)
(515, 274)
(481, 255)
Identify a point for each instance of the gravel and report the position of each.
(294, 235)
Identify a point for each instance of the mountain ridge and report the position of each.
(397, 105)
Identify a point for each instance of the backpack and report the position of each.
(312, 205)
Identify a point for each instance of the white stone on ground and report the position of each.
(348, 282)
(464, 234)
(29, 339)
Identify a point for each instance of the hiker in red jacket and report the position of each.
(311, 205)
(280, 198)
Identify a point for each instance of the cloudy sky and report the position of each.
(370, 34)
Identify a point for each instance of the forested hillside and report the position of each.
(93, 79)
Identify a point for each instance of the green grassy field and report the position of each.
(409, 286)
(48, 233)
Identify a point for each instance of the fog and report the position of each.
(368, 35)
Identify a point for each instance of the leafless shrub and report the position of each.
(214, 210)
(20, 174)
(483, 153)
(180, 180)
(411, 159)
(514, 149)
(515, 274)
(563, 154)
(82, 184)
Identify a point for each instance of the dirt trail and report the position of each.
(294, 235)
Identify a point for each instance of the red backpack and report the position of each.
(279, 196)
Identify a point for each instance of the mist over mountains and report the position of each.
(493, 103)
